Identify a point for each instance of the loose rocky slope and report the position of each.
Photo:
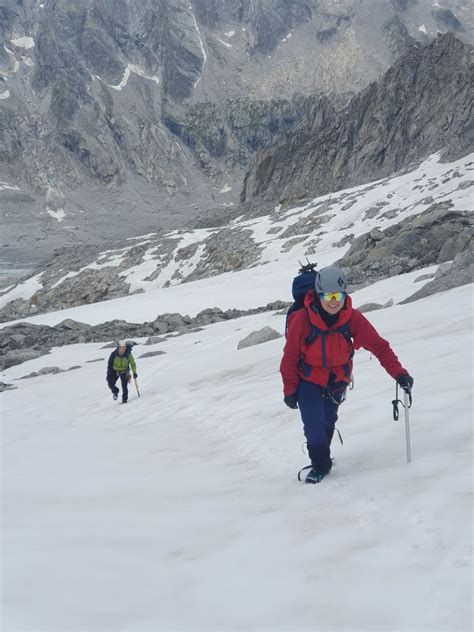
(384, 228)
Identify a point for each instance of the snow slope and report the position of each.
(331, 221)
(181, 510)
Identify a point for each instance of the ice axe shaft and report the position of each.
(407, 426)
(407, 401)
(136, 386)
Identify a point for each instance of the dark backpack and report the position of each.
(302, 283)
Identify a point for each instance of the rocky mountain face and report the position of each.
(423, 104)
(122, 117)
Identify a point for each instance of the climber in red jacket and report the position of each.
(317, 361)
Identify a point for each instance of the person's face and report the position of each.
(121, 350)
(332, 302)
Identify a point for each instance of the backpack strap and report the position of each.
(316, 332)
(313, 335)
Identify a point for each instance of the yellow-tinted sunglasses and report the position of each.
(327, 296)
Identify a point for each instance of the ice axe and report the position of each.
(407, 402)
(136, 386)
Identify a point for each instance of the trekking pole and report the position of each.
(136, 386)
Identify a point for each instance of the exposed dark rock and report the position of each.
(29, 376)
(461, 272)
(227, 250)
(151, 354)
(372, 307)
(434, 236)
(424, 277)
(347, 239)
(17, 356)
(369, 307)
(73, 325)
(258, 337)
(241, 129)
(467, 184)
(307, 225)
(49, 370)
(389, 126)
(6, 387)
(25, 341)
(153, 340)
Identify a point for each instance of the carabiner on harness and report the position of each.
(330, 394)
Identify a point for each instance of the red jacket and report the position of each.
(330, 353)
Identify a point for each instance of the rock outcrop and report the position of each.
(26, 341)
(258, 337)
(459, 272)
(433, 237)
(423, 104)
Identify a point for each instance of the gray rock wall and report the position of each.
(423, 104)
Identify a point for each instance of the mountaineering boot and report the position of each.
(320, 461)
(114, 396)
(314, 476)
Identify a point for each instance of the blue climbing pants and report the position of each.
(318, 410)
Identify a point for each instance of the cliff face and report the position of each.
(421, 105)
(118, 117)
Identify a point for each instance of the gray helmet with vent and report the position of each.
(331, 279)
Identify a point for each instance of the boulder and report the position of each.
(6, 387)
(50, 370)
(17, 356)
(154, 340)
(72, 325)
(151, 354)
(461, 272)
(258, 337)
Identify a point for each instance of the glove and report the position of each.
(290, 401)
(135, 375)
(405, 381)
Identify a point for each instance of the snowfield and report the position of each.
(182, 511)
